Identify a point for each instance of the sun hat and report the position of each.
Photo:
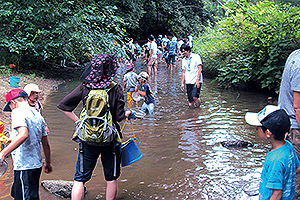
(31, 87)
(143, 75)
(129, 66)
(272, 117)
(12, 95)
(100, 71)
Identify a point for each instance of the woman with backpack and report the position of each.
(97, 76)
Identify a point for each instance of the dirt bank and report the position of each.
(46, 85)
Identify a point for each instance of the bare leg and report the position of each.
(77, 191)
(111, 190)
(149, 69)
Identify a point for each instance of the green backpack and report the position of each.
(96, 127)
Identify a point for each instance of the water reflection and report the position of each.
(183, 158)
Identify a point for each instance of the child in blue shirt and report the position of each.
(145, 91)
(281, 164)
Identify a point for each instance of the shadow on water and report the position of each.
(183, 158)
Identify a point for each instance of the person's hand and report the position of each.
(2, 157)
(132, 115)
(197, 84)
(48, 168)
(77, 124)
(182, 87)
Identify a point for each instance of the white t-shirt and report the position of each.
(28, 155)
(191, 68)
(153, 46)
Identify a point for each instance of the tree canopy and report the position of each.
(36, 31)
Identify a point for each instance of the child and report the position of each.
(33, 93)
(28, 132)
(146, 92)
(130, 81)
(281, 164)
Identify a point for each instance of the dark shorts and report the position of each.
(171, 59)
(26, 184)
(192, 91)
(110, 158)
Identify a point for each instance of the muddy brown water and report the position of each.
(183, 157)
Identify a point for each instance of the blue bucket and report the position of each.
(130, 152)
(14, 81)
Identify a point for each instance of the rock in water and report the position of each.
(60, 188)
(252, 188)
(237, 143)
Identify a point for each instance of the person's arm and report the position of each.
(71, 116)
(142, 93)
(47, 153)
(182, 80)
(197, 83)
(125, 82)
(150, 54)
(297, 106)
(297, 170)
(21, 137)
(276, 195)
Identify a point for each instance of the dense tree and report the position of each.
(39, 31)
(162, 17)
(250, 46)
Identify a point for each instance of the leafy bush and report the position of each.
(252, 43)
(45, 31)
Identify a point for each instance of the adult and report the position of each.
(159, 42)
(152, 60)
(191, 75)
(190, 40)
(289, 100)
(173, 48)
(98, 75)
(131, 50)
(165, 41)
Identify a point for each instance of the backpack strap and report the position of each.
(111, 86)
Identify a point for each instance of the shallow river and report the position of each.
(183, 157)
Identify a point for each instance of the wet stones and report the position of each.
(237, 144)
(59, 188)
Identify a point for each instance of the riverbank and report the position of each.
(47, 85)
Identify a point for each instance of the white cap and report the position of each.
(256, 118)
(31, 87)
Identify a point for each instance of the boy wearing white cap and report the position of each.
(33, 93)
(281, 164)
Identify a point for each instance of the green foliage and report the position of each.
(252, 43)
(32, 32)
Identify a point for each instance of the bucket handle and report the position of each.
(130, 125)
(134, 139)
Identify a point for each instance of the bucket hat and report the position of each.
(15, 93)
(272, 117)
(100, 72)
(31, 87)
